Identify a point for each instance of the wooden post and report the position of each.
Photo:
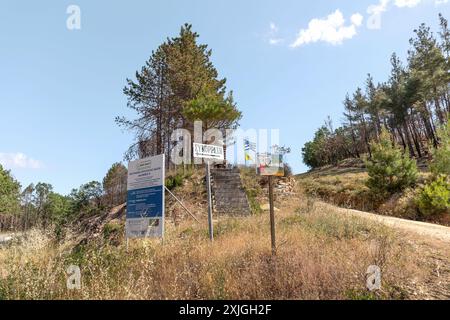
(208, 189)
(272, 217)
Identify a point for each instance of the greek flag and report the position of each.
(249, 145)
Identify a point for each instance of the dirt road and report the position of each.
(430, 230)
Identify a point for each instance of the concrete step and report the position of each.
(219, 170)
(225, 173)
(231, 190)
(231, 208)
(228, 182)
(233, 212)
(230, 199)
(236, 193)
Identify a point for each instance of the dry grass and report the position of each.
(345, 187)
(321, 255)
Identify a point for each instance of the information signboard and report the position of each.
(268, 164)
(145, 198)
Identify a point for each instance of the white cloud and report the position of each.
(273, 35)
(407, 3)
(19, 161)
(331, 29)
(383, 4)
(379, 8)
(375, 10)
(275, 41)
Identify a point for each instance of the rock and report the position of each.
(266, 207)
(5, 239)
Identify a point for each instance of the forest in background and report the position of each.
(177, 85)
(412, 104)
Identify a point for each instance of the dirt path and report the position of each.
(430, 230)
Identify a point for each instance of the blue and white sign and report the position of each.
(145, 199)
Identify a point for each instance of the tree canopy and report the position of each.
(9, 193)
(177, 86)
(412, 104)
(115, 184)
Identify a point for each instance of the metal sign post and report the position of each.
(208, 189)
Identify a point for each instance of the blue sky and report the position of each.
(61, 89)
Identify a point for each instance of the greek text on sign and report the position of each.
(145, 199)
(208, 151)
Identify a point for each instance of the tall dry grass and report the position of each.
(321, 255)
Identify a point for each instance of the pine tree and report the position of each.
(389, 169)
(115, 185)
(428, 63)
(178, 85)
(212, 110)
(445, 45)
(373, 105)
(412, 104)
(9, 198)
(149, 97)
(441, 154)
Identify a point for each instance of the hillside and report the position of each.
(322, 253)
(345, 185)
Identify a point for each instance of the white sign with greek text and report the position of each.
(208, 151)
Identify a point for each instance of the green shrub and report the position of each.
(441, 155)
(174, 181)
(434, 198)
(253, 201)
(111, 229)
(389, 169)
(252, 186)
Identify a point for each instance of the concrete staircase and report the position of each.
(228, 194)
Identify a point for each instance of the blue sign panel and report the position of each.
(145, 203)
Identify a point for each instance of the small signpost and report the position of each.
(145, 198)
(270, 165)
(209, 152)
